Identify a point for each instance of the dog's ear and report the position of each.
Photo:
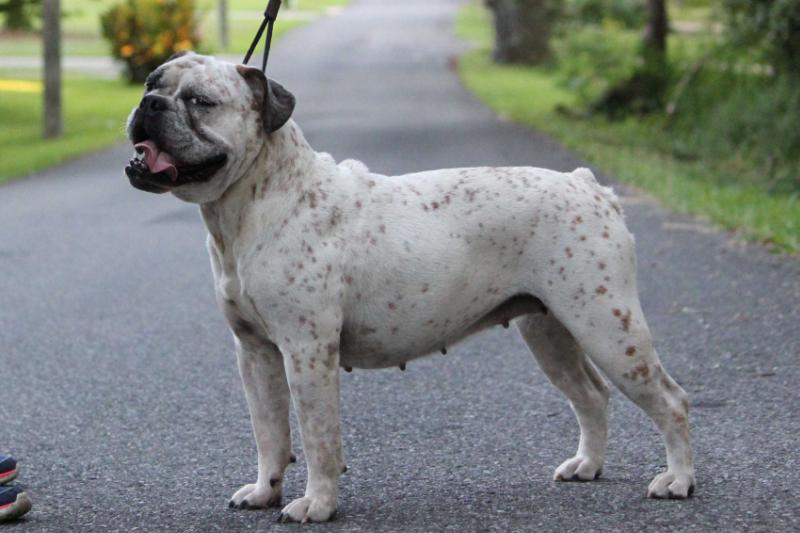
(276, 102)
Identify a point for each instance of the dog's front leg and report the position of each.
(312, 368)
(264, 380)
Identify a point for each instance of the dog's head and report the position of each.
(200, 125)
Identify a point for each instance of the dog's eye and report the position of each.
(201, 101)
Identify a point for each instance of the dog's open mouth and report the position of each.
(155, 170)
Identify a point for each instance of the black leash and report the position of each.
(270, 14)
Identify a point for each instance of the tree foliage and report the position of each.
(772, 26)
(19, 14)
(645, 90)
(627, 13)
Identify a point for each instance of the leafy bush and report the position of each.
(144, 33)
(746, 119)
(628, 13)
(593, 59)
(19, 14)
(772, 26)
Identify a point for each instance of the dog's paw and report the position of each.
(308, 509)
(579, 468)
(254, 497)
(671, 485)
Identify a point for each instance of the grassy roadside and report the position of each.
(631, 150)
(90, 123)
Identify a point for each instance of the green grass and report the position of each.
(635, 151)
(90, 123)
(82, 37)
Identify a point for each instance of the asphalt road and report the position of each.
(120, 392)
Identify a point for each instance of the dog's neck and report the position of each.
(276, 175)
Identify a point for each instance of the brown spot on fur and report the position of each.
(626, 321)
(568, 251)
(679, 418)
(301, 319)
(601, 290)
(605, 235)
(435, 205)
(332, 348)
(630, 351)
(601, 265)
(391, 306)
(616, 312)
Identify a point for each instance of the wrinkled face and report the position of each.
(200, 125)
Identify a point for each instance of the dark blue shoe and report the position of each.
(8, 468)
(13, 503)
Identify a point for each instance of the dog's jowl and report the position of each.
(320, 266)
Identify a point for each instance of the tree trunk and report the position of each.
(222, 15)
(655, 33)
(51, 32)
(522, 29)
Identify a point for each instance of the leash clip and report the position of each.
(270, 14)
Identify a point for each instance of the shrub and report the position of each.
(19, 14)
(628, 13)
(593, 59)
(144, 33)
(772, 26)
(747, 119)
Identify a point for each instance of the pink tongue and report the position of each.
(156, 160)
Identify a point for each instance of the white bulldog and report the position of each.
(320, 265)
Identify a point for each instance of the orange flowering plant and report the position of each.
(144, 33)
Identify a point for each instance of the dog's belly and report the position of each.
(366, 345)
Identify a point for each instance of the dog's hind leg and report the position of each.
(563, 361)
(611, 329)
(267, 392)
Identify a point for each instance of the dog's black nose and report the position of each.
(153, 103)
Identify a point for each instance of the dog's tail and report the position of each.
(606, 192)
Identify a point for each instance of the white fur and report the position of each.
(319, 266)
